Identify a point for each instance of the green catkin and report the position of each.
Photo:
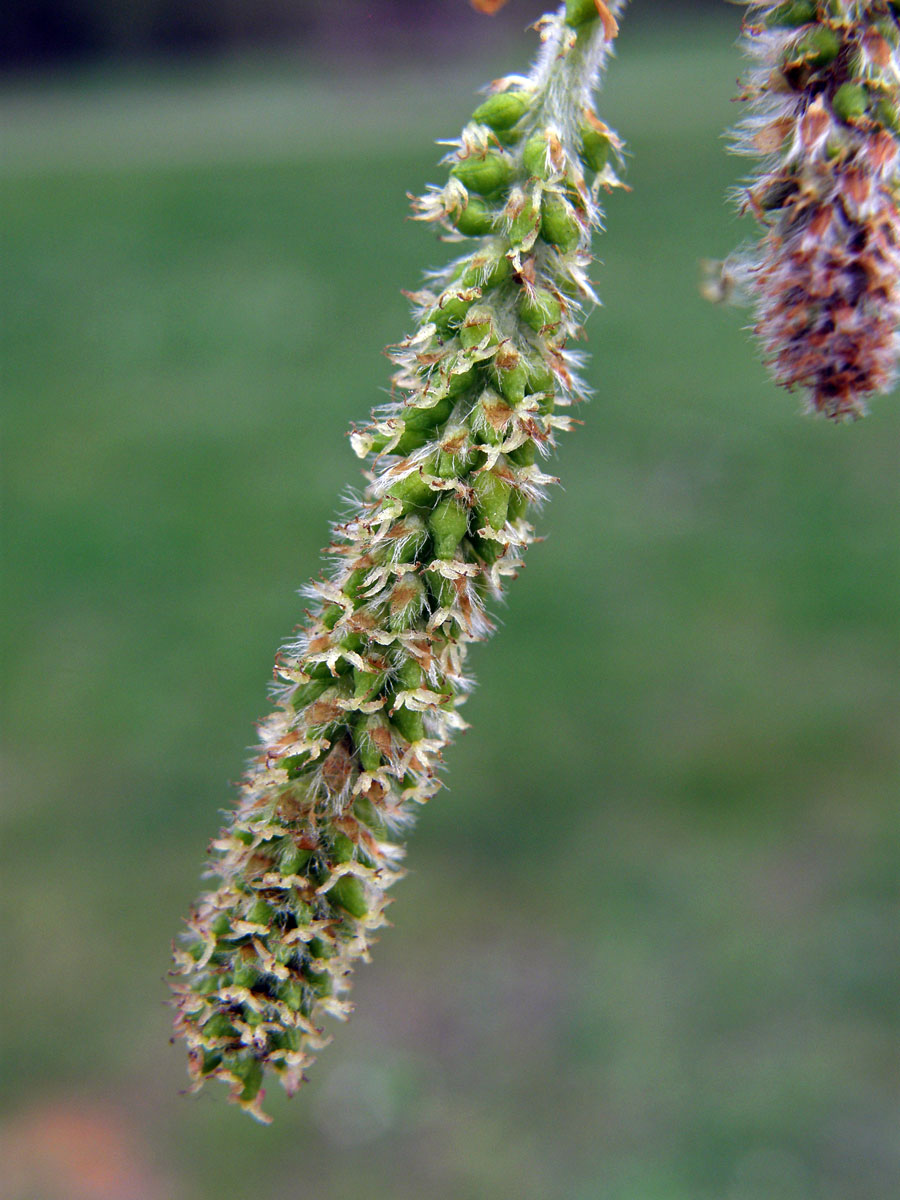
(367, 696)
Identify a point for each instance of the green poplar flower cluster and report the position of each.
(825, 121)
(368, 694)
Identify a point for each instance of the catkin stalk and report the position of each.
(368, 695)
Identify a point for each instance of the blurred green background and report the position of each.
(647, 946)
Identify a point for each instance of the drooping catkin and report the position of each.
(824, 119)
(367, 696)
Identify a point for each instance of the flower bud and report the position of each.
(502, 110)
(792, 14)
(511, 376)
(525, 219)
(350, 894)
(477, 326)
(850, 102)
(451, 309)
(580, 12)
(491, 499)
(559, 225)
(260, 913)
(293, 861)
(817, 47)
(219, 1026)
(448, 523)
(540, 309)
(475, 219)
(412, 491)
(485, 175)
(534, 156)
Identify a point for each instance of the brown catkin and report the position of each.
(824, 117)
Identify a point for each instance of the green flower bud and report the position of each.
(888, 116)
(331, 614)
(540, 375)
(342, 848)
(219, 1026)
(409, 723)
(408, 674)
(416, 418)
(475, 220)
(491, 499)
(283, 952)
(290, 993)
(526, 221)
(460, 381)
(366, 683)
(477, 326)
(210, 1059)
(354, 583)
(489, 269)
(450, 311)
(406, 601)
(524, 455)
(486, 549)
(559, 225)
(518, 503)
(353, 642)
(221, 926)
(294, 860)
(319, 982)
(484, 175)
(850, 102)
(370, 756)
(318, 948)
(288, 1039)
(260, 913)
(502, 110)
(512, 379)
(580, 12)
(534, 156)
(540, 309)
(490, 418)
(792, 14)
(307, 693)
(595, 147)
(409, 536)
(249, 1070)
(368, 815)
(456, 456)
(412, 491)
(817, 47)
(420, 424)
(448, 523)
(441, 589)
(295, 764)
(350, 894)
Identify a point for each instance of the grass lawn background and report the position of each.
(646, 949)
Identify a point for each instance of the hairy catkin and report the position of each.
(368, 695)
(824, 118)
